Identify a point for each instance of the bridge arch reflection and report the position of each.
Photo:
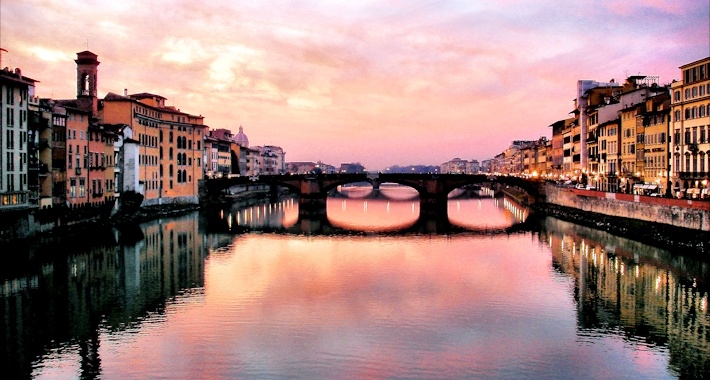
(348, 216)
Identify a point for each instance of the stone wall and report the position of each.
(683, 213)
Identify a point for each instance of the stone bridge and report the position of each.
(312, 189)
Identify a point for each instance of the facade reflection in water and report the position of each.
(561, 301)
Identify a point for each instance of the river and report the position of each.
(251, 291)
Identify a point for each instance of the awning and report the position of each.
(644, 186)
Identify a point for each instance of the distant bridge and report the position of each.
(312, 189)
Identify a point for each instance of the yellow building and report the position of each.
(690, 127)
(655, 123)
(630, 172)
(169, 145)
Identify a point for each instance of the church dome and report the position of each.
(241, 139)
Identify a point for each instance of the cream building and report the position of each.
(689, 128)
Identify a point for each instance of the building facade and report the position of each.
(689, 128)
(170, 145)
(15, 93)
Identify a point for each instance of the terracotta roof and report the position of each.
(144, 95)
(115, 96)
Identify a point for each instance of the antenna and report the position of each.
(87, 44)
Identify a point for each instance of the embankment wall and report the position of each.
(692, 214)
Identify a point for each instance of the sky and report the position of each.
(376, 82)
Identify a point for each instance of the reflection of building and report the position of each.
(690, 124)
(621, 283)
(97, 289)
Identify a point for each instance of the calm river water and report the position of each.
(253, 292)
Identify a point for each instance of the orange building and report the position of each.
(169, 145)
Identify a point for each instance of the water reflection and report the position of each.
(486, 213)
(185, 301)
(54, 316)
(373, 213)
(648, 296)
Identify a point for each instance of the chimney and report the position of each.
(125, 92)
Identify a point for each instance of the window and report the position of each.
(10, 117)
(85, 84)
(10, 95)
(10, 139)
(702, 161)
(82, 187)
(72, 188)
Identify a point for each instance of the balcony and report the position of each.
(78, 171)
(97, 193)
(693, 175)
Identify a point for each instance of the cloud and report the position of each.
(324, 79)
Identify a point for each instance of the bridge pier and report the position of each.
(434, 207)
(312, 206)
(434, 199)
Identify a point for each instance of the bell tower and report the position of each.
(86, 81)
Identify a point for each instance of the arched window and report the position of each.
(161, 170)
(184, 175)
(170, 137)
(170, 153)
(687, 113)
(170, 171)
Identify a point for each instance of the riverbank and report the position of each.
(673, 238)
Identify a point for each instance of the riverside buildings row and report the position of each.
(85, 152)
(637, 137)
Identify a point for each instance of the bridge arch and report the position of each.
(433, 189)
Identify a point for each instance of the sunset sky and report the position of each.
(375, 82)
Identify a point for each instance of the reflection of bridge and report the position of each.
(265, 216)
(312, 190)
